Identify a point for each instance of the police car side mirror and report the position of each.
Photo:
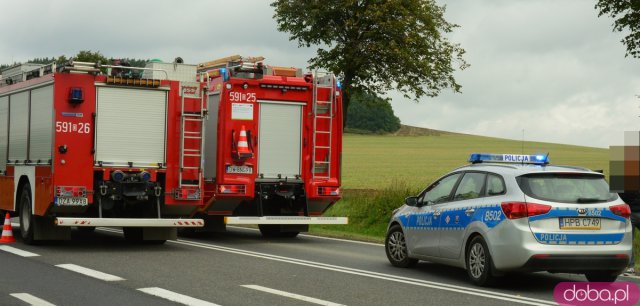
(411, 201)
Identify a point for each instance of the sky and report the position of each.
(541, 70)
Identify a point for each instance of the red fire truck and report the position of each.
(273, 146)
(80, 148)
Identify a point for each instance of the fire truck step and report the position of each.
(323, 147)
(195, 155)
(322, 132)
(193, 137)
(321, 162)
(191, 168)
(194, 118)
(324, 117)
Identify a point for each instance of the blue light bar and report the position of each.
(338, 84)
(225, 74)
(537, 159)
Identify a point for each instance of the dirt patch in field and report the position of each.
(407, 130)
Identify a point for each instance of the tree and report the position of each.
(371, 113)
(627, 17)
(91, 57)
(376, 45)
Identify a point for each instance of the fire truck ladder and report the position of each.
(185, 134)
(323, 112)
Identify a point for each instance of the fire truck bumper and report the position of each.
(129, 222)
(286, 220)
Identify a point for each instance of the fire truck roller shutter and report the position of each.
(18, 126)
(211, 135)
(40, 140)
(280, 139)
(4, 129)
(130, 126)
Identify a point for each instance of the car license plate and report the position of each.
(71, 201)
(239, 169)
(579, 223)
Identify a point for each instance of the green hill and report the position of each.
(379, 171)
(419, 156)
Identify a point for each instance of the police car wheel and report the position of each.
(479, 264)
(396, 248)
(602, 276)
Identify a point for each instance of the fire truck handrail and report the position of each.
(128, 222)
(166, 75)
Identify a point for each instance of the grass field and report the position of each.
(379, 171)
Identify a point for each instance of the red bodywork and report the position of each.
(230, 194)
(73, 163)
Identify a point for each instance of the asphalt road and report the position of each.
(241, 268)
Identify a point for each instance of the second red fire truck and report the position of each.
(273, 146)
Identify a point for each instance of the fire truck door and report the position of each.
(279, 139)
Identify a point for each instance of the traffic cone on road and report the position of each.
(7, 231)
(243, 145)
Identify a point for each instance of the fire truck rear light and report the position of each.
(186, 194)
(76, 95)
(71, 191)
(232, 189)
(328, 191)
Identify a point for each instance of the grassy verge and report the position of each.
(368, 210)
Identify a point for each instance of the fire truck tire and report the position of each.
(273, 231)
(27, 219)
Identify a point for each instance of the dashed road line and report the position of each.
(90, 272)
(175, 297)
(382, 276)
(18, 252)
(30, 299)
(292, 295)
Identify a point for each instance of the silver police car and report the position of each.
(507, 212)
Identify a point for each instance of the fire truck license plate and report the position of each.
(580, 223)
(239, 169)
(71, 201)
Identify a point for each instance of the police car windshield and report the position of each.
(566, 188)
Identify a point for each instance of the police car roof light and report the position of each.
(537, 159)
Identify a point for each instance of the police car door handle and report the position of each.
(469, 211)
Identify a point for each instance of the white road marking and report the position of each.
(175, 297)
(30, 299)
(318, 237)
(292, 295)
(90, 272)
(19, 252)
(365, 273)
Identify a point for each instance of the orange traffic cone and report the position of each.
(243, 145)
(7, 231)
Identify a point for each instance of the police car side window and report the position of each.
(470, 186)
(495, 185)
(440, 191)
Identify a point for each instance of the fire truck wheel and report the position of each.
(273, 231)
(27, 220)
